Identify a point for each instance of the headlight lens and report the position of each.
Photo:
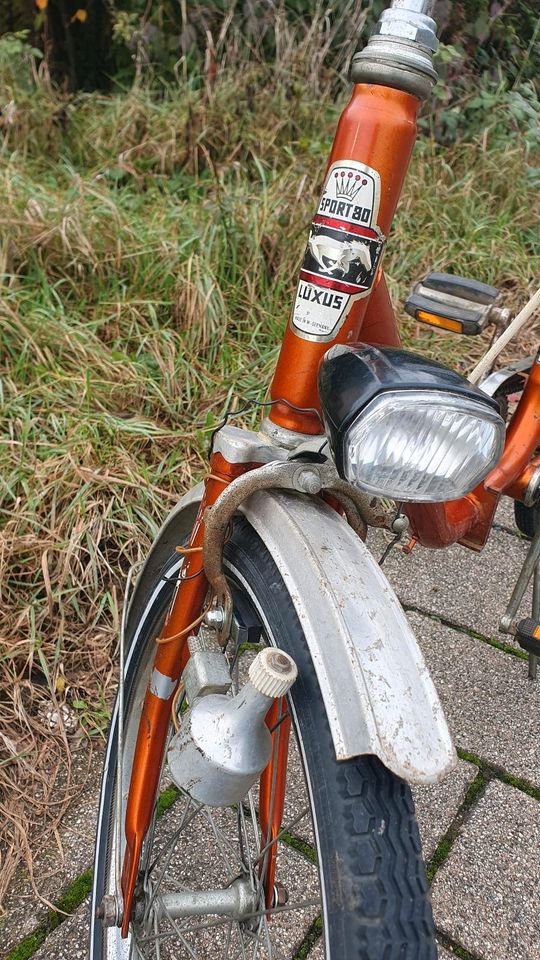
(421, 445)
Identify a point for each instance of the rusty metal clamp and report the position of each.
(361, 509)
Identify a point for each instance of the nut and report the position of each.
(404, 24)
(281, 895)
(308, 481)
(108, 911)
(215, 618)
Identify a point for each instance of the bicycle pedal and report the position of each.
(455, 304)
(528, 635)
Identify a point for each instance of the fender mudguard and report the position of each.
(377, 692)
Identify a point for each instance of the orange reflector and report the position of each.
(436, 321)
(536, 633)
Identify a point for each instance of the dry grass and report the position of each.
(148, 253)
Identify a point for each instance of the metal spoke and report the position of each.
(182, 939)
(182, 929)
(221, 840)
(221, 921)
(185, 822)
(162, 936)
(228, 943)
(281, 833)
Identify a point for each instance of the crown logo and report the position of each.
(348, 184)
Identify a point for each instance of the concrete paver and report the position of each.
(467, 588)
(436, 806)
(489, 703)
(70, 940)
(483, 895)
(54, 870)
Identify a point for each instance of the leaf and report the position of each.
(80, 15)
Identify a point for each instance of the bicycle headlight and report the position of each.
(404, 427)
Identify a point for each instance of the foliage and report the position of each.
(490, 106)
(489, 70)
(90, 43)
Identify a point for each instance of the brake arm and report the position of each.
(361, 510)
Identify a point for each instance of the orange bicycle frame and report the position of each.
(377, 129)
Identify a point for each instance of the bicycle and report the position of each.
(266, 561)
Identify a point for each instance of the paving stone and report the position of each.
(467, 588)
(488, 700)
(504, 516)
(483, 895)
(70, 940)
(436, 806)
(53, 870)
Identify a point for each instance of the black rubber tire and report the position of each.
(373, 881)
(526, 519)
(369, 853)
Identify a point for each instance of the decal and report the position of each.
(343, 252)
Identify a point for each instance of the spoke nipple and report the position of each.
(281, 894)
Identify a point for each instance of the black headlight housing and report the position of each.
(359, 379)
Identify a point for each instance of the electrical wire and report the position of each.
(190, 626)
(260, 403)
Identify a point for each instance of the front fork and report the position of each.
(272, 794)
(171, 656)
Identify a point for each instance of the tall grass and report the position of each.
(148, 254)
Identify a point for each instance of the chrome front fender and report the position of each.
(377, 692)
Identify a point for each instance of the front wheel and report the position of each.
(349, 855)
